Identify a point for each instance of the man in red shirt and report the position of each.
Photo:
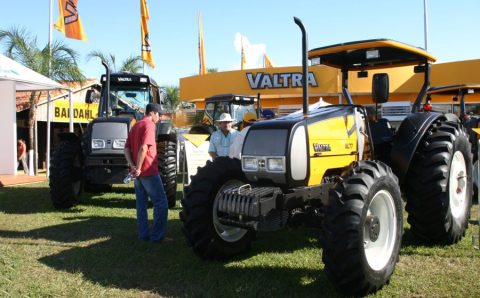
(141, 155)
(22, 154)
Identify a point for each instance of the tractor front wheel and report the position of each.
(363, 228)
(201, 227)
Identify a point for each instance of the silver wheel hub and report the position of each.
(227, 233)
(373, 227)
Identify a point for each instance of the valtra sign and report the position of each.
(262, 80)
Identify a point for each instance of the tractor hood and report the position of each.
(108, 135)
(297, 149)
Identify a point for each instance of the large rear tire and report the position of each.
(363, 228)
(204, 233)
(66, 174)
(167, 166)
(438, 186)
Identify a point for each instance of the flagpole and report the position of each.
(50, 37)
(141, 34)
(241, 56)
(425, 25)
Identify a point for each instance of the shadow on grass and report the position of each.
(29, 200)
(115, 258)
(25, 200)
(34, 199)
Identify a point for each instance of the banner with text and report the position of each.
(196, 153)
(82, 112)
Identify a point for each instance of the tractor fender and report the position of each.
(452, 117)
(408, 137)
(164, 128)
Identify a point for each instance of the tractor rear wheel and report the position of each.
(201, 227)
(438, 185)
(167, 166)
(363, 228)
(66, 174)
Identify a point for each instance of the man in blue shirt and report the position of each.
(221, 140)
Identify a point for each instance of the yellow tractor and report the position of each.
(333, 168)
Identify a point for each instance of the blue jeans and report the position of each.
(152, 187)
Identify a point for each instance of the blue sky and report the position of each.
(113, 26)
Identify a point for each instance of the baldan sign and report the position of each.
(82, 112)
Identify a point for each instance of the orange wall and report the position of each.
(404, 84)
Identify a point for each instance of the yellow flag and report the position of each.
(244, 60)
(145, 16)
(69, 22)
(267, 63)
(201, 49)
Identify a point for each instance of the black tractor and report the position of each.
(95, 160)
(234, 104)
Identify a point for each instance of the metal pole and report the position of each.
(70, 112)
(425, 23)
(50, 34)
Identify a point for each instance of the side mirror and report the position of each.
(380, 87)
(89, 96)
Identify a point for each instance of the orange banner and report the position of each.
(69, 22)
(145, 16)
(201, 48)
(267, 63)
(244, 59)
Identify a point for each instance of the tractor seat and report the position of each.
(381, 131)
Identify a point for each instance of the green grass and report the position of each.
(92, 251)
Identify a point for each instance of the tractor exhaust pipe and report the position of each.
(259, 106)
(304, 65)
(107, 84)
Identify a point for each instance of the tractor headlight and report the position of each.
(276, 164)
(98, 144)
(249, 164)
(119, 143)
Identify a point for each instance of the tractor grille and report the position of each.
(252, 202)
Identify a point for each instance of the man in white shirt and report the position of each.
(236, 148)
(222, 139)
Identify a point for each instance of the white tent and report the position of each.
(15, 77)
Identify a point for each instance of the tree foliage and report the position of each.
(59, 63)
(172, 96)
(131, 64)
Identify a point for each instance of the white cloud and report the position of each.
(253, 52)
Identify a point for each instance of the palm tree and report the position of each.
(173, 97)
(22, 47)
(131, 64)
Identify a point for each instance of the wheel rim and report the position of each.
(458, 185)
(380, 230)
(227, 233)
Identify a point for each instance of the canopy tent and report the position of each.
(16, 77)
(25, 79)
